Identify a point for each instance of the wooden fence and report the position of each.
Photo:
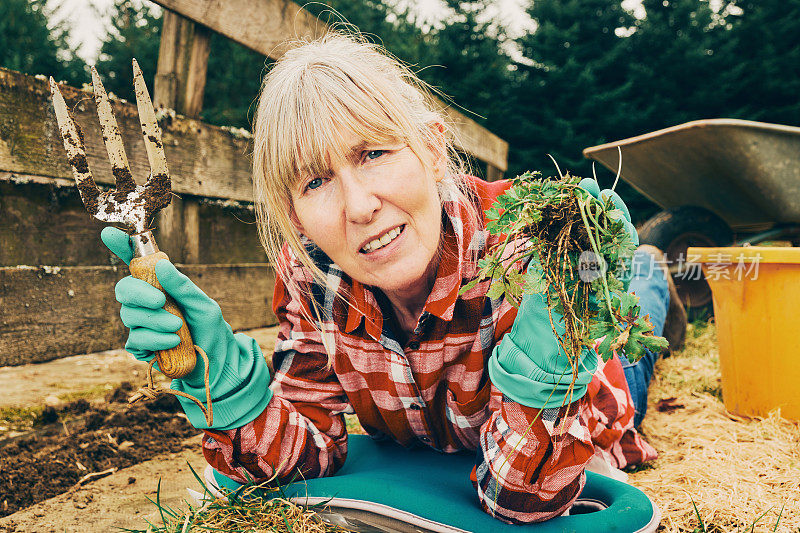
(56, 277)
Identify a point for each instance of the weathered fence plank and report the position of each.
(263, 25)
(493, 173)
(203, 160)
(43, 222)
(268, 26)
(182, 65)
(51, 312)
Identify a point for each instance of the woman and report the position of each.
(373, 226)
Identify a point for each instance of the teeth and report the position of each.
(374, 244)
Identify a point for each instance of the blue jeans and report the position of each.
(650, 284)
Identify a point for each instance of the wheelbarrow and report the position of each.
(719, 182)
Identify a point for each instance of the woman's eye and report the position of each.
(375, 154)
(313, 184)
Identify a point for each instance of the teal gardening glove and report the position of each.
(238, 373)
(529, 365)
(624, 271)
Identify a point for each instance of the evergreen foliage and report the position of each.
(678, 52)
(591, 72)
(762, 78)
(31, 42)
(232, 83)
(134, 32)
(572, 84)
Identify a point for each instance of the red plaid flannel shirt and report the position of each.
(434, 390)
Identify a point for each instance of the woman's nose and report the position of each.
(360, 201)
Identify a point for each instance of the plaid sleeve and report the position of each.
(609, 418)
(530, 464)
(302, 430)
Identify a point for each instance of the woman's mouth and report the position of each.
(383, 240)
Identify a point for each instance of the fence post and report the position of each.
(180, 85)
(493, 173)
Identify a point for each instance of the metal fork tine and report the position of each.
(72, 137)
(112, 138)
(150, 129)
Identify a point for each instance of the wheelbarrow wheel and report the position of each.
(674, 231)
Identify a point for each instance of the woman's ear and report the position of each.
(295, 221)
(439, 150)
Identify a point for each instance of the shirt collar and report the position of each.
(364, 308)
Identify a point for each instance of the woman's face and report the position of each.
(376, 214)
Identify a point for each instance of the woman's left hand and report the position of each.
(530, 365)
(589, 185)
(623, 271)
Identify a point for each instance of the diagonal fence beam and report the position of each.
(269, 26)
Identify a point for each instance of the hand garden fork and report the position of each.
(129, 204)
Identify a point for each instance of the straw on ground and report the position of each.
(734, 469)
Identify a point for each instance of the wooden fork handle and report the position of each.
(176, 362)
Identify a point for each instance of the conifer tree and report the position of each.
(31, 42)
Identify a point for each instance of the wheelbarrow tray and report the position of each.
(746, 172)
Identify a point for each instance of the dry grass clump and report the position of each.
(252, 509)
(741, 474)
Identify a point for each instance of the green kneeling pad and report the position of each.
(398, 489)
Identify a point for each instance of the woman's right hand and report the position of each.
(237, 370)
(152, 328)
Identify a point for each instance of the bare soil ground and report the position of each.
(75, 457)
(81, 438)
(117, 501)
(58, 381)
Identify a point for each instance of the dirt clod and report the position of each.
(48, 416)
(89, 192)
(157, 194)
(557, 217)
(155, 140)
(79, 163)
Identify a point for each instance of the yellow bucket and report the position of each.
(756, 292)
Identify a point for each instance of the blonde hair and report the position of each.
(316, 89)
